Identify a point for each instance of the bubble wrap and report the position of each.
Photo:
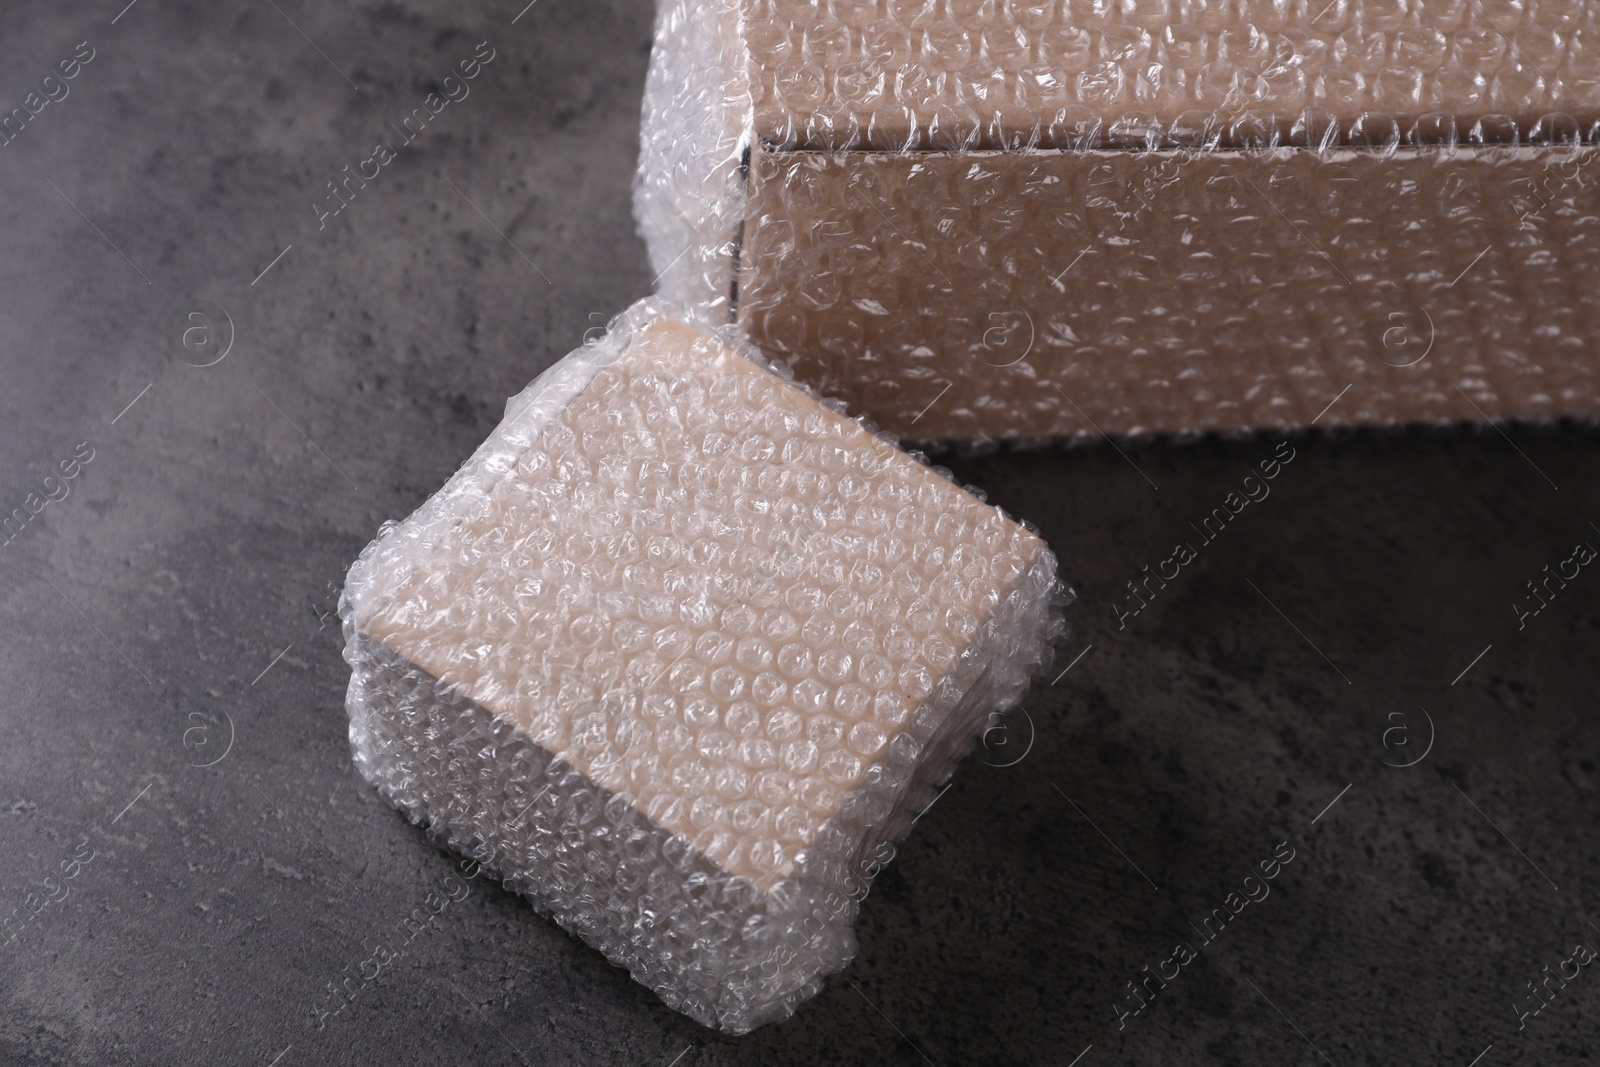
(679, 651)
(1019, 219)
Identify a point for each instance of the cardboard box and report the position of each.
(978, 219)
(680, 652)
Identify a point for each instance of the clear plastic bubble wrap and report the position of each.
(679, 651)
(976, 219)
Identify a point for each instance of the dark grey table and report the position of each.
(172, 608)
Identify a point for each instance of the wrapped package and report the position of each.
(1012, 219)
(677, 654)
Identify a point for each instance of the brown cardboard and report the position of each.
(1020, 219)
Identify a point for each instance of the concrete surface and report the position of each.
(177, 599)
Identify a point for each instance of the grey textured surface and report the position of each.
(203, 543)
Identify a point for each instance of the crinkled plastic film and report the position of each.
(679, 651)
(1019, 219)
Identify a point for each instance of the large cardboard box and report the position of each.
(981, 219)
